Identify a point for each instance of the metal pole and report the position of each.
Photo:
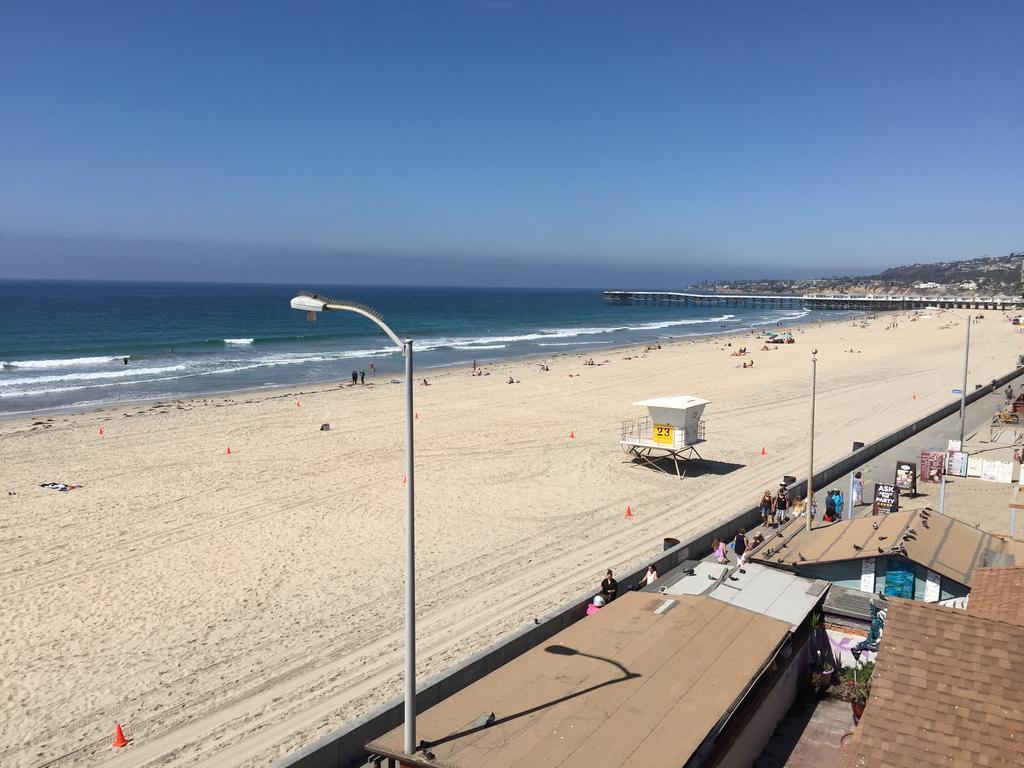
(963, 391)
(849, 511)
(810, 466)
(410, 564)
(942, 496)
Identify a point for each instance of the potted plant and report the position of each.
(859, 698)
(826, 675)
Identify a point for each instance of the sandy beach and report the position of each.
(227, 609)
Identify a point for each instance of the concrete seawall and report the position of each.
(343, 748)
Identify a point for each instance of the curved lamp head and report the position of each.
(308, 304)
(311, 303)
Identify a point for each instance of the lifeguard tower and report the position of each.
(671, 429)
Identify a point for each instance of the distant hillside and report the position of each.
(988, 276)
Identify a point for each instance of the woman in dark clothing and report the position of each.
(740, 545)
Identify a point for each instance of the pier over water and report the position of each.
(877, 303)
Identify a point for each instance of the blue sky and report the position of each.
(705, 138)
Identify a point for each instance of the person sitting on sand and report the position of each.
(424, 383)
(596, 605)
(511, 380)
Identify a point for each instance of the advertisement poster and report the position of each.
(956, 463)
(906, 476)
(990, 470)
(899, 578)
(953, 445)
(932, 587)
(932, 463)
(974, 466)
(867, 575)
(887, 499)
(997, 471)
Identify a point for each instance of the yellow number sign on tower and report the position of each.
(663, 434)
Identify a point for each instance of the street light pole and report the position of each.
(410, 564)
(311, 304)
(963, 391)
(810, 467)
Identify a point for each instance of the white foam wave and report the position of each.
(238, 341)
(783, 318)
(561, 333)
(469, 348)
(126, 373)
(571, 343)
(65, 363)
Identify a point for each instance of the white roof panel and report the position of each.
(779, 594)
(678, 401)
(699, 583)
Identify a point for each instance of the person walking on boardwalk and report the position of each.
(766, 508)
(780, 505)
(741, 547)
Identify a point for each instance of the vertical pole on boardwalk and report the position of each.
(942, 495)
(810, 466)
(410, 565)
(849, 512)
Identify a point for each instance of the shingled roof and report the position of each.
(947, 692)
(938, 542)
(998, 593)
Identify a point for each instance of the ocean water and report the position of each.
(63, 344)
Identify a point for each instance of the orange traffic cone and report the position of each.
(101, 431)
(763, 451)
(119, 739)
(229, 450)
(629, 512)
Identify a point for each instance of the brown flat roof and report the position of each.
(641, 682)
(947, 692)
(998, 593)
(938, 542)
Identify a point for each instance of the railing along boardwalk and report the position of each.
(815, 300)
